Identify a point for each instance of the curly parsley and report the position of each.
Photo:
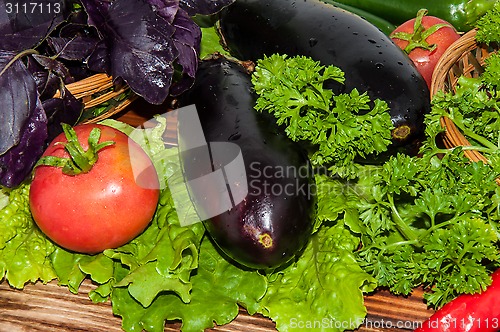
(488, 25)
(430, 222)
(342, 128)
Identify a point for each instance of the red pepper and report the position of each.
(469, 312)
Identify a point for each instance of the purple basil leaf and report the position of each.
(77, 25)
(18, 97)
(187, 39)
(47, 83)
(77, 48)
(17, 163)
(52, 65)
(66, 109)
(25, 23)
(78, 17)
(141, 48)
(204, 7)
(181, 85)
(97, 11)
(188, 34)
(165, 8)
(99, 60)
(77, 70)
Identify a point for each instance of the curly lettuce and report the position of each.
(24, 249)
(323, 289)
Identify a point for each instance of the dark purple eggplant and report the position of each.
(371, 62)
(274, 221)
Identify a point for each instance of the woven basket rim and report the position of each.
(466, 43)
(460, 50)
(86, 88)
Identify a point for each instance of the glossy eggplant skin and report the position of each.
(274, 221)
(370, 60)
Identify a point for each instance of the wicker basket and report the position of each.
(464, 57)
(101, 97)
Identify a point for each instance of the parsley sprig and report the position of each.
(342, 128)
(489, 25)
(430, 222)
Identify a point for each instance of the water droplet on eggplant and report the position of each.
(234, 137)
(313, 42)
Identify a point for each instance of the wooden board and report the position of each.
(44, 308)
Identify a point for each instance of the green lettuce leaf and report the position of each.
(323, 289)
(210, 43)
(218, 287)
(73, 268)
(210, 38)
(162, 258)
(23, 247)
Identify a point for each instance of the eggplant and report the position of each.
(371, 62)
(274, 221)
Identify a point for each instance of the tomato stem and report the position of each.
(80, 160)
(418, 38)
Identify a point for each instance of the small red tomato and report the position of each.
(102, 207)
(424, 39)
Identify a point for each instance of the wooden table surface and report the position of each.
(52, 308)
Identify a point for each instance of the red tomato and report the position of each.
(423, 45)
(103, 208)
